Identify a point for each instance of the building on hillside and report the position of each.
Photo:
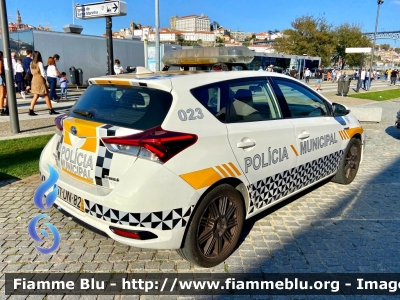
(263, 36)
(190, 23)
(206, 37)
(238, 36)
(166, 36)
(18, 25)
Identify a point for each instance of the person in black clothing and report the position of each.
(393, 76)
(293, 72)
(318, 76)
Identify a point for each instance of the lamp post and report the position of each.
(373, 46)
(157, 35)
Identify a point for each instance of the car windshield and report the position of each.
(131, 107)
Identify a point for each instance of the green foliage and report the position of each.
(316, 37)
(397, 50)
(348, 36)
(20, 157)
(385, 47)
(310, 35)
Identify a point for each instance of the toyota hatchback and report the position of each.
(179, 160)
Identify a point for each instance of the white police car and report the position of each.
(178, 160)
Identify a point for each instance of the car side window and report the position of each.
(210, 96)
(252, 100)
(301, 101)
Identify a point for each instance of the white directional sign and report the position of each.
(100, 9)
(359, 50)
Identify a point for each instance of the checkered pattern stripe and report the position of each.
(104, 157)
(58, 147)
(103, 165)
(272, 188)
(108, 130)
(164, 220)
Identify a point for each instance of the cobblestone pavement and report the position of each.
(329, 228)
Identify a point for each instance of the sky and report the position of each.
(245, 15)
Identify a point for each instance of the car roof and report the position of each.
(191, 78)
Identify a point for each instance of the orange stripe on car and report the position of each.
(235, 169)
(353, 131)
(294, 150)
(229, 170)
(222, 171)
(202, 178)
(112, 82)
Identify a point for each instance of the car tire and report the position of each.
(349, 164)
(215, 228)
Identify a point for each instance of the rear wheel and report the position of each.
(349, 164)
(215, 229)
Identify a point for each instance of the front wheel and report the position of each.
(215, 229)
(349, 164)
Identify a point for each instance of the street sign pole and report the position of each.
(12, 102)
(110, 50)
(107, 10)
(359, 73)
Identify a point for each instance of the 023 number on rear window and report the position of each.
(190, 114)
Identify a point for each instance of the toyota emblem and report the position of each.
(74, 131)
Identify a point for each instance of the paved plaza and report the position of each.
(328, 228)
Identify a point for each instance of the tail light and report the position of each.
(155, 144)
(133, 234)
(59, 123)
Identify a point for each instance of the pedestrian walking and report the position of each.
(389, 74)
(39, 86)
(64, 85)
(3, 90)
(318, 76)
(19, 77)
(307, 75)
(27, 71)
(52, 76)
(393, 77)
(333, 75)
(362, 82)
(118, 69)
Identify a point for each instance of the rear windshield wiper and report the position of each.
(84, 113)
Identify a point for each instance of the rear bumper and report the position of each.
(148, 198)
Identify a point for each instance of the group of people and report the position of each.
(392, 76)
(31, 76)
(270, 68)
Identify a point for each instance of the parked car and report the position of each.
(179, 160)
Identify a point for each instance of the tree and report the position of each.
(310, 35)
(348, 36)
(397, 50)
(385, 47)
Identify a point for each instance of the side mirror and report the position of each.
(340, 110)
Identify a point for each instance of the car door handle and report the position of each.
(246, 144)
(303, 135)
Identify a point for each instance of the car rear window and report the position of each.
(131, 107)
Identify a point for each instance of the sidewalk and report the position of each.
(36, 125)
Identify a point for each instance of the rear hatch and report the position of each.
(103, 113)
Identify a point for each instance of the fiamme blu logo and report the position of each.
(40, 192)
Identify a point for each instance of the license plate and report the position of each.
(72, 199)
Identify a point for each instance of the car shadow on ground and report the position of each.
(249, 223)
(393, 132)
